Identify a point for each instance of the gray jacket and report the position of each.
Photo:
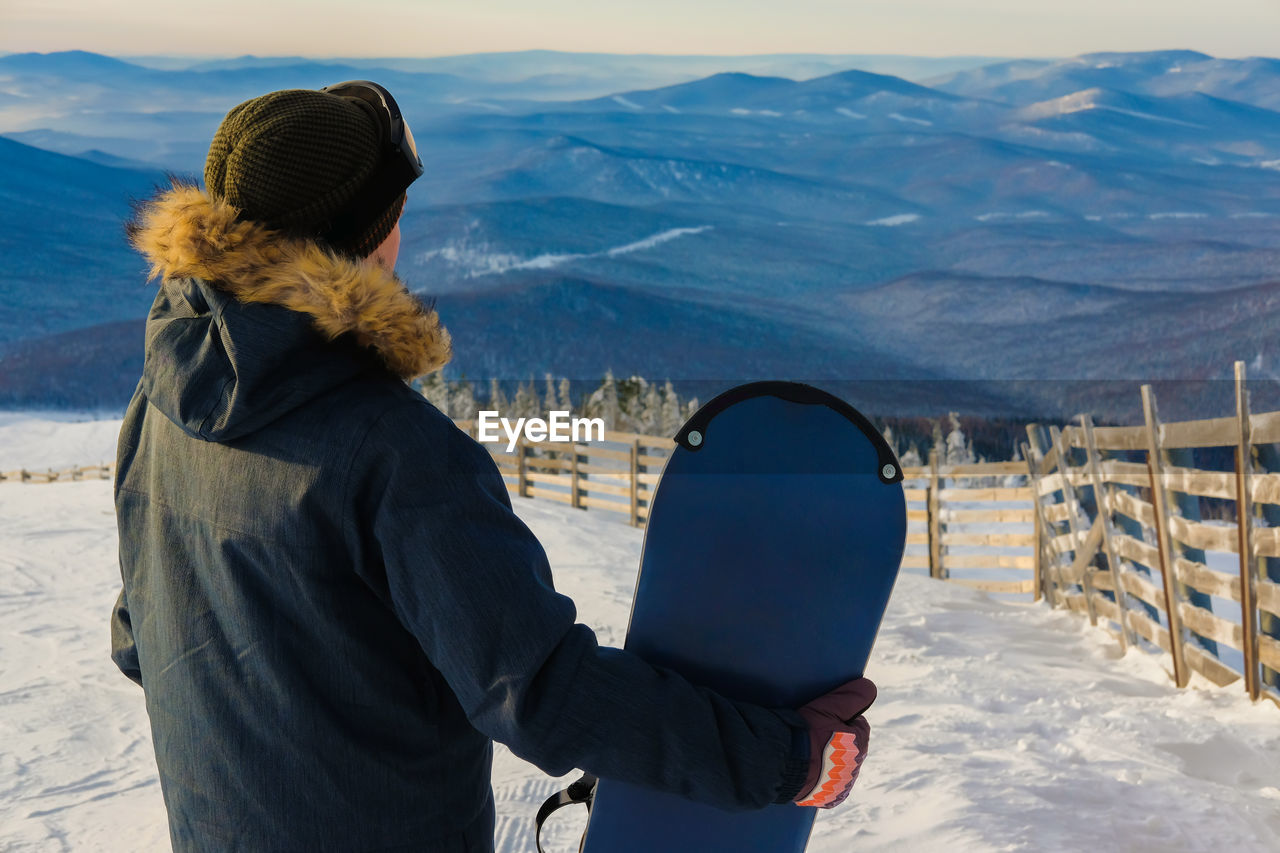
(327, 598)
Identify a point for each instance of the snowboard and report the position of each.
(773, 541)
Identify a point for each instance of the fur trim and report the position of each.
(183, 233)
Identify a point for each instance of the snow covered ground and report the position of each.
(1000, 726)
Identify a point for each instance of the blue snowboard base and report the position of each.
(773, 542)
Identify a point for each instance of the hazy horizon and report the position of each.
(402, 28)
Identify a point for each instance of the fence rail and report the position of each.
(104, 471)
(1103, 521)
(1123, 542)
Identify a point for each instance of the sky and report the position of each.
(322, 28)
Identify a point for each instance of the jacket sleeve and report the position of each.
(123, 651)
(473, 584)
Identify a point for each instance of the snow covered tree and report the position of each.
(959, 451)
(565, 402)
(630, 403)
(434, 387)
(497, 399)
(911, 459)
(649, 419)
(549, 401)
(462, 400)
(603, 402)
(525, 404)
(672, 417)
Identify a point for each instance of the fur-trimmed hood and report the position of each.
(183, 233)
(249, 324)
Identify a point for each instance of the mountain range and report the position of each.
(1001, 237)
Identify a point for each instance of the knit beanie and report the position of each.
(293, 160)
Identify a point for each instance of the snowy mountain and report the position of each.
(62, 238)
(806, 212)
(1161, 73)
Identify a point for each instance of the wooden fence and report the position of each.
(105, 471)
(1123, 542)
(618, 474)
(1099, 520)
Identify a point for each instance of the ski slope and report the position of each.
(1000, 726)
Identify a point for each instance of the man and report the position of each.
(327, 599)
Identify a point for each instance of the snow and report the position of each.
(482, 260)
(626, 103)
(910, 120)
(845, 111)
(1022, 214)
(57, 440)
(655, 240)
(1000, 725)
(897, 219)
(1148, 116)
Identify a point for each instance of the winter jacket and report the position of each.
(327, 598)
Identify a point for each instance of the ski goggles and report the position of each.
(400, 167)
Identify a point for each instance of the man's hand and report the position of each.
(838, 738)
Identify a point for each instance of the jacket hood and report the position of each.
(250, 323)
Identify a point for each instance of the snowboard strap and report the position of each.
(582, 791)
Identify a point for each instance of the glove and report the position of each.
(838, 738)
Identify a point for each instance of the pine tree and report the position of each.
(525, 404)
(630, 401)
(672, 419)
(603, 402)
(651, 411)
(959, 451)
(566, 401)
(436, 390)
(462, 400)
(549, 400)
(497, 399)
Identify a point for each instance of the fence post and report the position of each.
(1033, 480)
(1155, 468)
(1050, 579)
(635, 482)
(522, 477)
(1038, 571)
(1102, 499)
(1073, 522)
(935, 521)
(1244, 525)
(573, 477)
